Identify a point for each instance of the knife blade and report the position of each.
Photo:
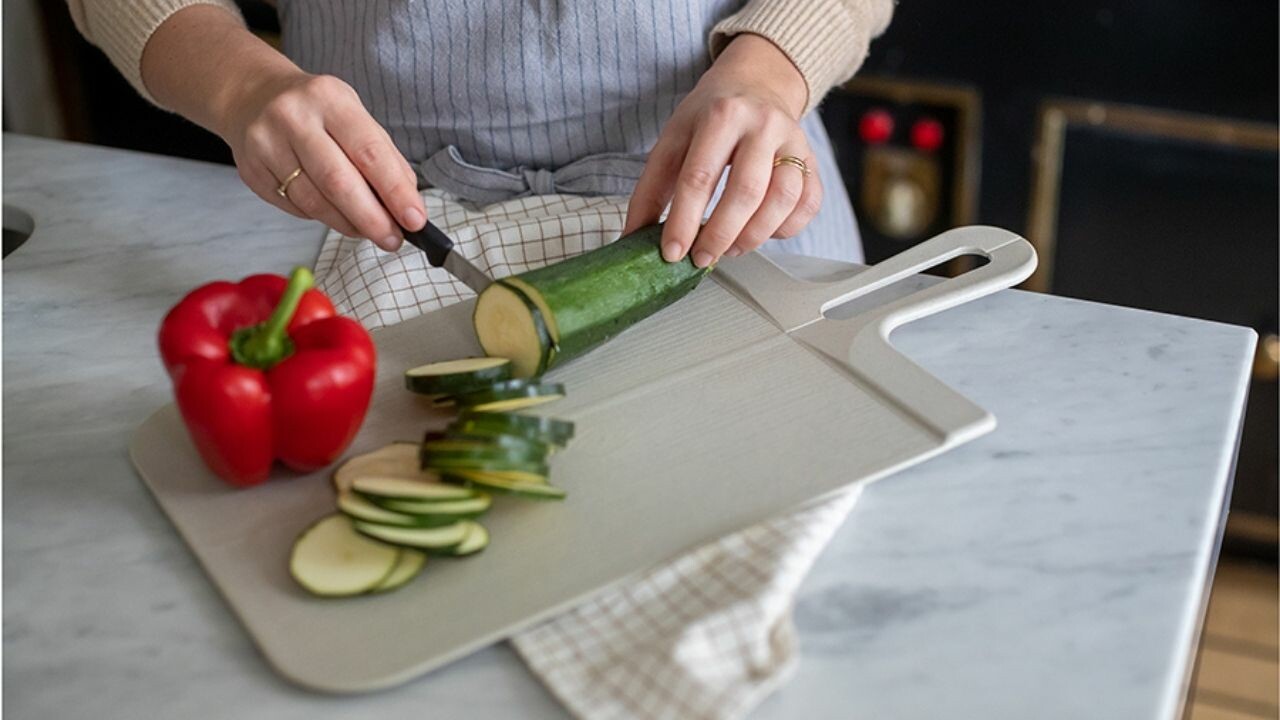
(440, 252)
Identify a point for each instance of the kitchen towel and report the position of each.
(706, 635)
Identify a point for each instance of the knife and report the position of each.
(441, 253)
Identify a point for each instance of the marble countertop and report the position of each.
(1056, 568)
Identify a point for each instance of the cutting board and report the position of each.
(737, 404)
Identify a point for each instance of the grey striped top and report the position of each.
(496, 98)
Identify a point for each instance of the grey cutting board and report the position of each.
(700, 421)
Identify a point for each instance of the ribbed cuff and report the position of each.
(122, 28)
(826, 40)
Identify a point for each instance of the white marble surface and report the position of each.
(1053, 569)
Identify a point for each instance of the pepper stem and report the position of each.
(264, 345)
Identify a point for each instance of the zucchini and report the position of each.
(406, 569)
(547, 430)
(459, 441)
(481, 449)
(332, 560)
(510, 395)
(477, 539)
(582, 302)
(457, 510)
(361, 509)
(437, 538)
(397, 460)
(505, 483)
(457, 376)
(402, 488)
(446, 465)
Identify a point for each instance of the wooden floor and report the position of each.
(1237, 675)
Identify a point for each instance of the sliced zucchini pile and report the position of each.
(391, 515)
(406, 501)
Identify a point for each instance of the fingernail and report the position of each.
(702, 258)
(734, 251)
(390, 243)
(671, 251)
(413, 219)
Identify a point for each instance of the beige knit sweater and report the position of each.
(826, 39)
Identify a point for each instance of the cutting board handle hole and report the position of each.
(862, 302)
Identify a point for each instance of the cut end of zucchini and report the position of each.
(331, 559)
(506, 328)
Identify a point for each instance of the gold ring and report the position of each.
(283, 190)
(794, 162)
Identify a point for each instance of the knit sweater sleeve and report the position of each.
(826, 39)
(121, 28)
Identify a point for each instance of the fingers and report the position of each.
(785, 189)
(749, 180)
(351, 170)
(303, 193)
(263, 183)
(657, 182)
(806, 207)
(329, 170)
(709, 152)
(375, 156)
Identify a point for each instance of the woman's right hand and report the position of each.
(203, 63)
(352, 172)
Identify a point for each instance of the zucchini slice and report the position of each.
(542, 429)
(546, 317)
(477, 539)
(446, 465)
(450, 511)
(358, 508)
(398, 460)
(402, 488)
(503, 483)
(408, 568)
(511, 395)
(457, 376)
(436, 538)
(332, 560)
(451, 441)
(498, 447)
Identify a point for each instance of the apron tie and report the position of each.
(603, 174)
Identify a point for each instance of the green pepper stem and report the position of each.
(262, 346)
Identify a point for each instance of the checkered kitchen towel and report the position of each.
(706, 635)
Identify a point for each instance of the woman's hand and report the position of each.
(277, 118)
(743, 114)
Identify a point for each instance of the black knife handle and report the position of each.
(433, 242)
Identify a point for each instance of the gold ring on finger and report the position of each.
(794, 162)
(283, 190)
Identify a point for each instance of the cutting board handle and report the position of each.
(862, 343)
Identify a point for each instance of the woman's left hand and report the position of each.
(743, 114)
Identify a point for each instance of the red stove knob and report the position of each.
(927, 134)
(875, 127)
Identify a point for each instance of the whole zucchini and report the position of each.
(546, 317)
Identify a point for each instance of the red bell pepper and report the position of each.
(264, 369)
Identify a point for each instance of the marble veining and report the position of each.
(1052, 569)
